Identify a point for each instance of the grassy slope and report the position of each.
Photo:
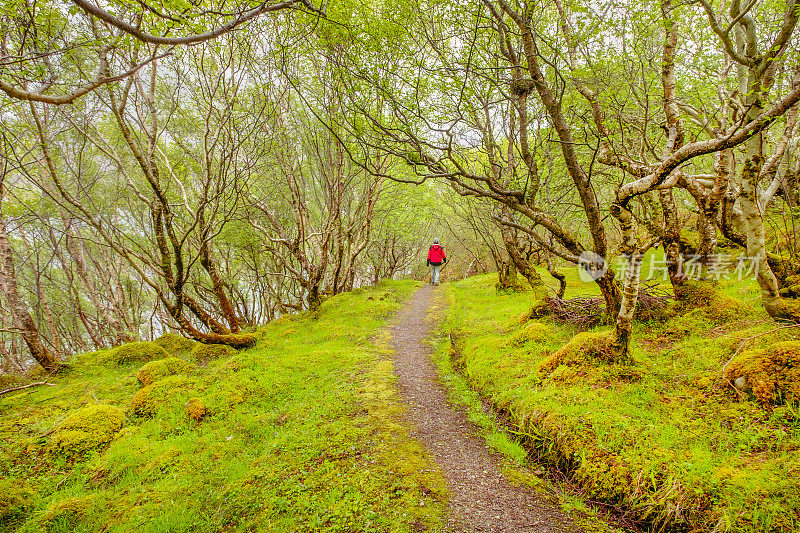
(303, 434)
(664, 438)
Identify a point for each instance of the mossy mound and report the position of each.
(196, 409)
(787, 309)
(203, 353)
(133, 352)
(87, 429)
(147, 401)
(584, 348)
(16, 501)
(710, 301)
(771, 375)
(156, 370)
(535, 332)
(67, 514)
(175, 344)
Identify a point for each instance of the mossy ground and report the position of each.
(664, 437)
(302, 432)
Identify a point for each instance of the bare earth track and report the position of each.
(481, 499)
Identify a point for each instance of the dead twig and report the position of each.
(6, 391)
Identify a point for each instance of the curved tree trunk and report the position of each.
(21, 318)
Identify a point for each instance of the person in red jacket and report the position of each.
(436, 258)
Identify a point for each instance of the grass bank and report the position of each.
(665, 439)
(302, 432)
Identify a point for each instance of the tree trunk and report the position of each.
(21, 318)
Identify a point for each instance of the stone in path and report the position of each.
(481, 499)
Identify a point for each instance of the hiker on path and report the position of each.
(436, 259)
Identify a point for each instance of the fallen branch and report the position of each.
(6, 391)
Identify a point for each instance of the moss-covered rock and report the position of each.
(772, 375)
(175, 344)
(535, 332)
(156, 370)
(86, 429)
(588, 347)
(203, 353)
(147, 401)
(16, 501)
(133, 352)
(196, 409)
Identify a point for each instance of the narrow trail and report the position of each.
(481, 499)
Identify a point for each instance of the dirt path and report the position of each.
(481, 499)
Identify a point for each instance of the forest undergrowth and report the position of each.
(664, 440)
(303, 432)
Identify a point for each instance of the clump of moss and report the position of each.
(16, 501)
(203, 353)
(156, 370)
(535, 331)
(67, 514)
(196, 409)
(87, 429)
(787, 308)
(587, 347)
(133, 352)
(772, 376)
(147, 401)
(707, 297)
(175, 344)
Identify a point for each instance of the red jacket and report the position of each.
(436, 255)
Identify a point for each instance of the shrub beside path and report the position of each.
(481, 498)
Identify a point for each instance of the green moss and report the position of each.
(195, 409)
(156, 370)
(175, 344)
(87, 429)
(203, 353)
(535, 332)
(771, 375)
(148, 400)
(587, 347)
(8, 381)
(788, 309)
(16, 501)
(67, 514)
(539, 309)
(133, 352)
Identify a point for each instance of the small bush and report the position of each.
(175, 344)
(87, 429)
(147, 401)
(16, 501)
(133, 352)
(771, 375)
(156, 370)
(203, 353)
